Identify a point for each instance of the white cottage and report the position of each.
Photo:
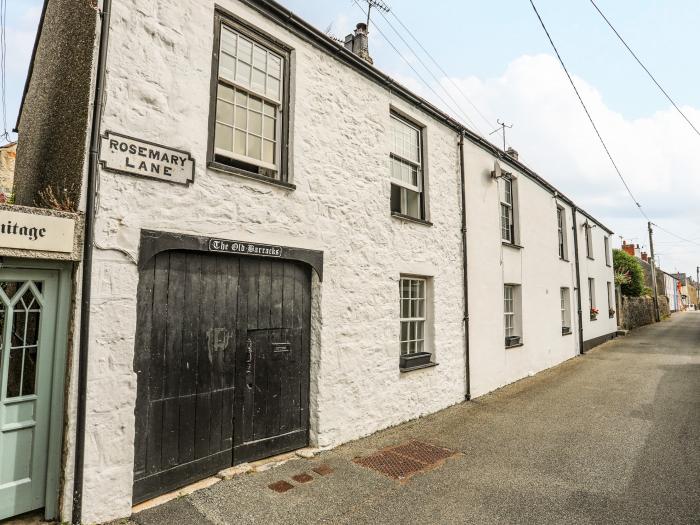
(281, 247)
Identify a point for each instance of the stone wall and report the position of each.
(639, 311)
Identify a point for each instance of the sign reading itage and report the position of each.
(138, 157)
(26, 231)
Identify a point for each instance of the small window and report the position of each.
(611, 301)
(507, 211)
(250, 113)
(565, 300)
(561, 232)
(591, 299)
(606, 243)
(413, 315)
(511, 314)
(406, 161)
(589, 240)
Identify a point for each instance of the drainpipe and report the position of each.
(463, 190)
(578, 282)
(93, 164)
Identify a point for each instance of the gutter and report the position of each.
(463, 190)
(93, 165)
(574, 209)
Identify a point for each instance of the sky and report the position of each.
(496, 58)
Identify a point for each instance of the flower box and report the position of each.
(512, 340)
(565, 330)
(413, 360)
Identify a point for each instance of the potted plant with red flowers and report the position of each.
(594, 313)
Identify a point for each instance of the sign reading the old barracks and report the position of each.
(138, 157)
(244, 248)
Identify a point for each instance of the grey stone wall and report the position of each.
(639, 311)
(53, 126)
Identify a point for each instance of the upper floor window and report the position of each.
(589, 240)
(250, 105)
(561, 232)
(507, 211)
(606, 243)
(406, 159)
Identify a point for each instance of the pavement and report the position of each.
(609, 437)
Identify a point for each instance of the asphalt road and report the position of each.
(609, 437)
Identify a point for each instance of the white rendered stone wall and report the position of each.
(536, 267)
(602, 273)
(158, 84)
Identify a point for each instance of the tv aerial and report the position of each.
(379, 4)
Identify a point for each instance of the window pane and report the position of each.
(269, 128)
(227, 66)
(245, 50)
(274, 66)
(269, 151)
(228, 41)
(243, 73)
(258, 81)
(255, 104)
(254, 147)
(225, 93)
(224, 112)
(259, 58)
(223, 137)
(405, 288)
(411, 203)
(241, 121)
(14, 373)
(239, 145)
(273, 88)
(405, 308)
(255, 122)
(241, 98)
(29, 374)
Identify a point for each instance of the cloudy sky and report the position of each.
(496, 54)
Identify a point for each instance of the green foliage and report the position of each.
(648, 291)
(630, 272)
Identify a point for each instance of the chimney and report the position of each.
(628, 248)
(513, 153)
(645, 257)
(359, 43)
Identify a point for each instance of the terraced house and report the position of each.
(283, 247)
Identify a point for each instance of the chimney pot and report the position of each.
(513, 153)
(359, 42)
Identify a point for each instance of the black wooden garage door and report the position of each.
(222, 360)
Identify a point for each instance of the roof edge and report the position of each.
(30, 71)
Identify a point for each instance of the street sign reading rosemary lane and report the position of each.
(244, 248)
(138, 157)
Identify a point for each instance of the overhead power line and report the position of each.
(430, 72)
(645, 69)
(676, 236)
(454, 84)
(408, 63)
(588, 114)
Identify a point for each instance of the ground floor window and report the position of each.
(413, 315)
(591, 299)
(565, 305)
(511, 314)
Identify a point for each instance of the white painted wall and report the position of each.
(597, 269)
(158, 89)
(158, 86)
(536, 267)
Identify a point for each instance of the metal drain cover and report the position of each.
(403, 461)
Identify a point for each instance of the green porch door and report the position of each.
(28, 313)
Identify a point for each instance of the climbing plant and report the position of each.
(629, 274)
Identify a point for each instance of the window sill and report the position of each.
(567, 332)
(594, 318)
(589, 257)
(223, 168)
(512, 245)
(564, 260)
(417, 367)
(408, 218)
(516, 345)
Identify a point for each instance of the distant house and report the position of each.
(8, 154)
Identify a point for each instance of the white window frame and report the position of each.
(589, 241)
(512, 312)
(507, 203)
(606, 244)
(414, 318)
(591, 294)
(565, 307)
(418, 187)
(250, 91)
(561, 233)
(610, 297)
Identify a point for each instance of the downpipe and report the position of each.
(84, 334)
(463, 190)
(578, 282)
